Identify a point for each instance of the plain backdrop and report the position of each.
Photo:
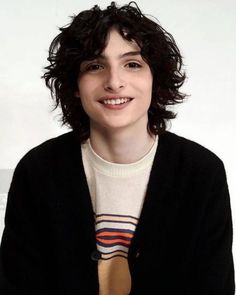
(204, 30)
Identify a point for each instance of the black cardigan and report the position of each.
(182, 244)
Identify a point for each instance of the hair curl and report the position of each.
(85, 39)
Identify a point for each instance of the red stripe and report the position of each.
(109, 234)
(108, 242)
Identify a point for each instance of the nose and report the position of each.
(113, 81)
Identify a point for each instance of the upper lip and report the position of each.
(113, 97)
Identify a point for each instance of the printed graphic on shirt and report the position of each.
(114, 234)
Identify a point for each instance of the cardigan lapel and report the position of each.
(74, 211)
(161, 203)
(71, 225)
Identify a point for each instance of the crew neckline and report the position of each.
(116, 169)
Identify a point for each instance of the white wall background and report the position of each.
(204, 31)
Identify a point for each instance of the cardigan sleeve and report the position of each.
(21, 267)
(214, 269)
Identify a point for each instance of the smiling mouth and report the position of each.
(116, 101)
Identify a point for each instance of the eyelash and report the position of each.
(91, 67)
(135, 65)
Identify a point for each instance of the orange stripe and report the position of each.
(113, 241)
(109, 234)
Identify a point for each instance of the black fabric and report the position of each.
(182, 244)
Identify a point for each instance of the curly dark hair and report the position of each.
(85, 39)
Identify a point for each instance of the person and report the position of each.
(119, 205)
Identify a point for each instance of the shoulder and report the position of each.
(51, 150)
(189, 152)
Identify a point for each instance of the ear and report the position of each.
(77, 93)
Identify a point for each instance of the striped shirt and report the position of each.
(117, 192)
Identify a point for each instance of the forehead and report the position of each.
(116, 45)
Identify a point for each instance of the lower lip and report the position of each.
(116, 106)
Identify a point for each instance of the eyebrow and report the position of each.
(130, 53)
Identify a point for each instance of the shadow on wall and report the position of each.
(5, 180)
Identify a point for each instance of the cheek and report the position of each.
(82, 92)
(149, 86)
(88, 87)
(145, 81)
(87, 95)
(82, 86)
(145, 86)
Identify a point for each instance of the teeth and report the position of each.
(116, 101)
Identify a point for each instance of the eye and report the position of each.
(93, 67)
(133, 65)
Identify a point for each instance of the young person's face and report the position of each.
(115, 89)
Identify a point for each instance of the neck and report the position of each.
(121, 146)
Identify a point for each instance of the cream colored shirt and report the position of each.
(117, 192)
